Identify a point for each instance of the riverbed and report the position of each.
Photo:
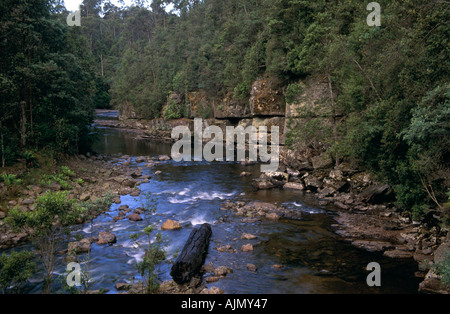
(302, 256)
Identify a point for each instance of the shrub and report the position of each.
(47, 226)
(15, 270)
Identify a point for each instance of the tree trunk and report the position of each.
(193, 255)
(23, 125)
(3, 146)
(333, 106)
(101, 64)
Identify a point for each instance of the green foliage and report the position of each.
(63, 178)
(174, 110)
(313, 132)
(92, 209)
(15, 270)
(45, 90)
(53, 210)
(443, 269)
(47, 225)
(10, 179)
(293, 91)
(30, 159)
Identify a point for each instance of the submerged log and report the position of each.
(192, 257)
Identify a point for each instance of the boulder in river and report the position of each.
(294, 186)
(171, 225)
(262, 184)
(247, 247)
(163, 158)
(134, 217)
(106, 238)
(78, 247)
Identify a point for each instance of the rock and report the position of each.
(277, 266)
(106, 238)
(54, 186)
(439, 254)
(341, 205)
(258, 205)
(116, 200)
(245, 174)
(250, 220)
(247, 247)
(222, 271)
(78, 247)
(135, 192)
(158, 172)
(123, 207)
(251, 267)
(213, 290)
(312, 183)
(337, 175)
(248, 236)
(304, 166)
(373, 245)
(100, 291)
(264, 100)
(123, 286)
(138, 211)
(129, 183)
(326, 192)
(226, 248)
(211, 279)
(28, 201)
(136, 174)
(276, 176)
(294, 186)
(164, 158)
(377, 194)
(84, 197)
(262, 184)
(433, 285)
(2, 215)
(322, 161)
(141, 159)
(272, 216)
(134, 217)
(171, 225)
(398, 253)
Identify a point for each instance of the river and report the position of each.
(314, 259)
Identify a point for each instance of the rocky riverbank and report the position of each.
(94, 179)
(365, 212)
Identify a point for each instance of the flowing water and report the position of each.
(314, 259)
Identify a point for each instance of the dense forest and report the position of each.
(390, 84)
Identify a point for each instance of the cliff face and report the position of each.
(266, 106)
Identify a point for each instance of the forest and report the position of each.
(390, 83)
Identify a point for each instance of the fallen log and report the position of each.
(193, 255)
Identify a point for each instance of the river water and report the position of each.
(314, 259)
